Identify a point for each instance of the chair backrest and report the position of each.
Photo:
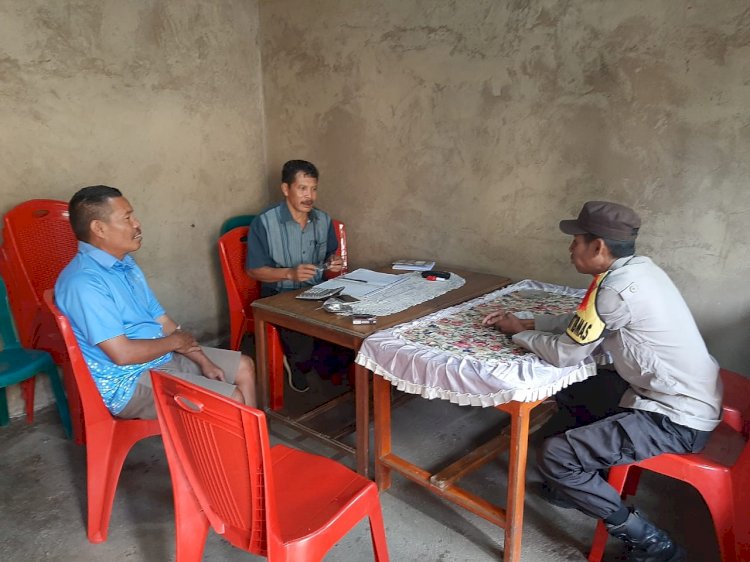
(343, 250)
(223, 450)
(7, 329)
(234, 222)
(94, 409)
(41, 237)
(736, 414)
(241, 289)
(38, 243)
(736, 402)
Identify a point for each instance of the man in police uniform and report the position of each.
(664, 394)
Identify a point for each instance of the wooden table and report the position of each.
(523, 415)
(288, 312)
(524, 418)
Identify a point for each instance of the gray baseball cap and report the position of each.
(605, 220)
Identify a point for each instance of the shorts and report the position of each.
(141, 405)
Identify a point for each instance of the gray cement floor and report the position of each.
(43, 495)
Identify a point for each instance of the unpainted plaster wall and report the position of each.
(464, 131)
(160, 99)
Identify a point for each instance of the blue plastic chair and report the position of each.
(18, 364)
(234, 222)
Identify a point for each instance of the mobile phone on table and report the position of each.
(364, 319)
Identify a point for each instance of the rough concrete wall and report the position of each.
(161, 99)
(464, 131)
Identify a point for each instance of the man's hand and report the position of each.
(506, 322)
(184, 342)
(303, 272)
(335, 263)
(212, 371)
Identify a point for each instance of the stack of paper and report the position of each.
(413, 265)
(362, 282)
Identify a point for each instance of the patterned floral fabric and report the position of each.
(449, 355)
(462, 333)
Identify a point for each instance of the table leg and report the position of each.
(517, 456)
(381, 390)
(261, 363)
(362, 401)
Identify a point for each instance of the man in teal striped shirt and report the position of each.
(289, 246)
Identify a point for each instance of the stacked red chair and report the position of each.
(38, 243)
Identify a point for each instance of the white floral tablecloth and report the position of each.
(449, 354)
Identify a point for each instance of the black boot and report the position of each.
(645, 541)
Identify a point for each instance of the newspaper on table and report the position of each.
(381, 296)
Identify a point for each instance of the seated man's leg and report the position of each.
(330, 359)
(571, 462)
(585, 402)
(298, 349)
(238, 370)
(241, 374)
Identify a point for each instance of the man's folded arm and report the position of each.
(125, 351)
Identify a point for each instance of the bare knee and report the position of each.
(237, 396)
(245, 381)
(245, 371)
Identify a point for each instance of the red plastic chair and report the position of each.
(108, 439)
(224, 473)
(721, 473)
(242, 291)
(38, 243)
(343, 249)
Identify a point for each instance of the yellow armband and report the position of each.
(587, 326)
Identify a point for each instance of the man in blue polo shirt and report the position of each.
(289, 246)
(120, 326)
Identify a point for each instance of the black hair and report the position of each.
(618, 248)
(290, 169)
(88, 204)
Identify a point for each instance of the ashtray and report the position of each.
(337, 306)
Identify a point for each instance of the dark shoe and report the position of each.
(645, 541)
(553, 496)
(297, 380)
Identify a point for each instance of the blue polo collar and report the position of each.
(105, 259)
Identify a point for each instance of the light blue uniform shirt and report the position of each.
(103, 298)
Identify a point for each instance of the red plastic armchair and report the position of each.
(108, 439)
(224, 473)
(343, 249)
(38, 243)
(242, 291)
(721, 473)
